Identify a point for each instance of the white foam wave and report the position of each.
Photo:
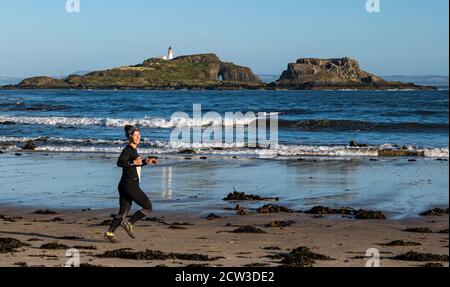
(144, 122)
(49, 144)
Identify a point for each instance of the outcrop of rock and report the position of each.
(334, 74)
(207, 71)
(202, 71)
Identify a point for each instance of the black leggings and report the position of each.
(130, 192)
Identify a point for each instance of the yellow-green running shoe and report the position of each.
(128, 228)
(110, 237)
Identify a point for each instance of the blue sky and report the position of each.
(40, 38)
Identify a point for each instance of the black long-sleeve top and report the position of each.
(125, 161)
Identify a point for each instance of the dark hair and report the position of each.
(130, 130)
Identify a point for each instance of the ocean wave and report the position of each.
(144, 122)
(415, 113)
(159, 123)
(350, 125)
(46, 144)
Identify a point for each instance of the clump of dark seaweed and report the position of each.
(8, 245)
(212, 216)
(418, 230)
(127, 253)
(302, 257)
(241, 196)
(359, 214)
(272, 248)
(271, 208)
(369, 215)
(54, 246)
(401, 243)
(421, 257)
(280, 223)
(10, 219)
(327, 210)
(435, 212)
(85, 247)
(248, 229)
(45, 212)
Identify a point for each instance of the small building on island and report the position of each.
(168, 57)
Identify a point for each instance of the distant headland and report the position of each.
(207, 71)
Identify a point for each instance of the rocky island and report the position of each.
(202, 71)
(334, 74)
(207, 71)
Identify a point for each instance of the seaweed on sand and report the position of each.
(127, 253)
(418, 230)
(322, 210)
(213, 216)
(359, 214)
(86, 247)
(248, 229)
(401, 243)
(302, 257)
(271, 208)
(8, 245)
(369, 215)
(54, 246)
(280, 223)
(241, 196)
(10, 219)
(45, 212)
(421, 257)
(435, 212)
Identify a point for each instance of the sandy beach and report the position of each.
(344, 240)
(74, 205)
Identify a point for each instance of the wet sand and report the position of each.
(397, 186)
(345, 240)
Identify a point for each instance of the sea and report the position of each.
(310, 123)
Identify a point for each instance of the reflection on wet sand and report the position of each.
(166, 182)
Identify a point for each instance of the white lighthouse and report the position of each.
(170, 54)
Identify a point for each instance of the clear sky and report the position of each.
(40, 38)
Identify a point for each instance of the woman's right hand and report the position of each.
(137, 161)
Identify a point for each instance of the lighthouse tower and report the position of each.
(170, 54)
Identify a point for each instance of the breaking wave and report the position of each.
(51, 144)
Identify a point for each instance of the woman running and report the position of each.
(129, 190)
